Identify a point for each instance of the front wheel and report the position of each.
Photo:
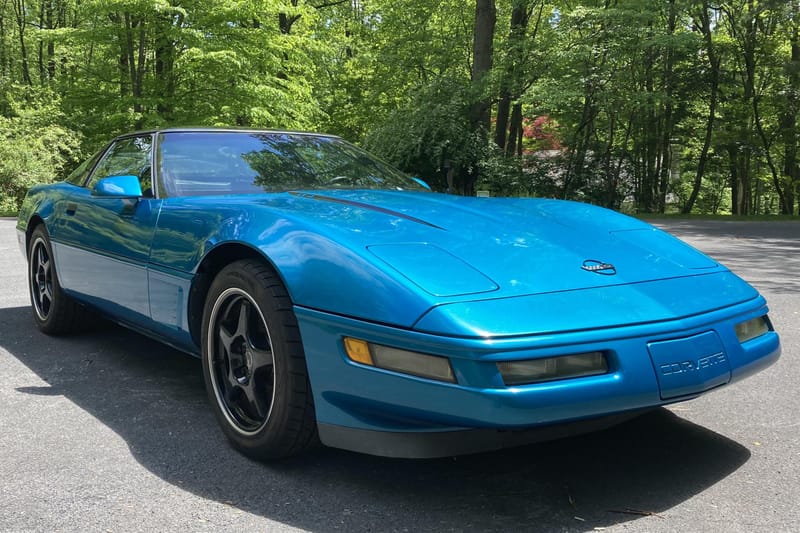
(54, 311)
(253, 363)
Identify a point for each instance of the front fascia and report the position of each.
(351, 395)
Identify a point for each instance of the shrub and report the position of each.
(33, 149)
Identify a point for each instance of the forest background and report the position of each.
(648, 106)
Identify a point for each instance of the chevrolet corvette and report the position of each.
(333, 299)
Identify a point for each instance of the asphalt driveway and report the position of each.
(109, 431)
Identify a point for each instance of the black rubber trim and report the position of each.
(426, 445)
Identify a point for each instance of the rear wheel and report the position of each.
(254, 365)
(54, 311)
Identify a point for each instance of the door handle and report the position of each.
(71, 208)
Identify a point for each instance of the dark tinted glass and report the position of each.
(127, 157)
(199, 163)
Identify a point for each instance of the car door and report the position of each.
(102, 243)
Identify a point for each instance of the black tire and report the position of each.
(254, 365)
(54, 311)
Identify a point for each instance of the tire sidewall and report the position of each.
(40, 235)
(268, 434)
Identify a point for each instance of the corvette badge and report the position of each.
(599, 267)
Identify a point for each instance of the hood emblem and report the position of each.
(599, 267)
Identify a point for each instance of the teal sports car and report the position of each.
(333, 299)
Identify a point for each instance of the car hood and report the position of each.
(452, 246)
(453, 265)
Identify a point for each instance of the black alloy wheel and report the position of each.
(41, 278)
(254, 365)
(243, 367)
(54, 312)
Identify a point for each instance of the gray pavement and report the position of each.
(109, 431)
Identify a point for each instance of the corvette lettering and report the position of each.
(711, 360)
(691, 366)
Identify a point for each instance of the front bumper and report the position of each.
(382, 412)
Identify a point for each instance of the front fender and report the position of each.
(321, 269)
(38, 203)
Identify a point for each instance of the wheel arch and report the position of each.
(34, 222)
(213, 262)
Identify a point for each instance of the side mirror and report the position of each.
(118, 187)
(421, 182)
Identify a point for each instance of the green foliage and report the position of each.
(536, 174)
(623, 90)
(431, 135)
(34, 149)
(503, 176)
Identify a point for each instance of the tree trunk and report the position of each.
(124, 73)
(140, 62)
(770, 162)
(650, 148)
(501, 119)
(609, 197)
(285, 21)
(515, 131)
(480, 111)
(510, 86)
(741, 184)
(40, 45)
(580, 144)
(791, 169)
(51, 46)
(19, 12)
(135, 59)
(745, 31)
(714, 67)
(164, 67)
(668, 82)
(483, 37)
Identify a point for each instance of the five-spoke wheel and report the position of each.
(254, 364)
(54, 311)
(41, 279)
(242, 367)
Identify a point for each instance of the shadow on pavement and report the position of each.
(153, 398)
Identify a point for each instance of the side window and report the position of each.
(78, 176)
(127, 157)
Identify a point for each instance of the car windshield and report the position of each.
(203, 163)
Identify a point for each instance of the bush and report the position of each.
(432, 134)
(33, 150)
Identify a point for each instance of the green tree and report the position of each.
(649, 104)
(34, 147)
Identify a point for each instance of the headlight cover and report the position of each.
(552, 368)
(750, 329)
